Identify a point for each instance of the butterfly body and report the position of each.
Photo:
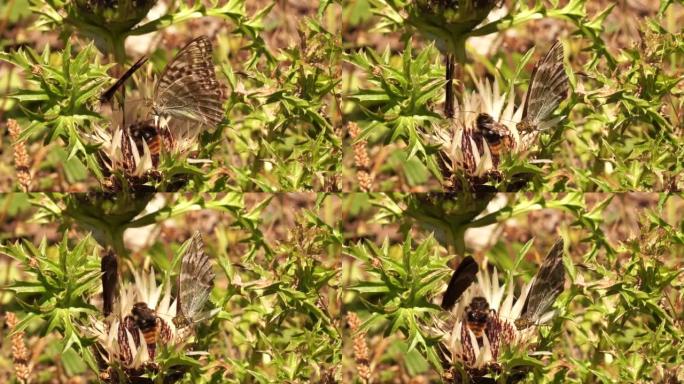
(146, 131)
(147, 321)
(152, 327)
(156, 138)
(525, 126)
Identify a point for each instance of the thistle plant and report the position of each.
(462, 162)
(488, 322)
(123, 350)
(275, 290)
(513, 317)
(489, 129)
(452, 23)
(268, 116)
(620, 131)
(449, 23)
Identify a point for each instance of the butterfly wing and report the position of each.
(548, 87)
(196, 280)
(188, 89)
(109, 268)
(547, 285)
(463, 276)
(109, 93)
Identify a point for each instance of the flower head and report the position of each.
(487, 124)
(138, 151)
(463, 144)
(482, 325)
(114, 15)
(126, 341)
(446, 20)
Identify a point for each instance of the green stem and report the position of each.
(457, 236)
(117, 242)
(118, 49)
(455, 240)
(459, 56)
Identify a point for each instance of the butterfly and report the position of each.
(187, 88)
(548, 87)
(187, 92)
(547, 285)
(195, 282)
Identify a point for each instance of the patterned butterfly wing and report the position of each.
(548, 87)
(188, 89)
(195, 282)
(463, 276)
(547, 285)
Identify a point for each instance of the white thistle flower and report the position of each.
(117, 157)
(136, 149)
(487, 123)
(460, 148)
(478, 352)
(124, 348)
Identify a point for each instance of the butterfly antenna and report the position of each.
(109, 93)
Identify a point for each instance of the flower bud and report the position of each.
(445, 20)
(117, 16)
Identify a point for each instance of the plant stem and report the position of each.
(116, 240)
(458, 72)
(118, 48)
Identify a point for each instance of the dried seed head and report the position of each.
(361, 352)
(20, 355)
(361, 158)
(22, 162)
